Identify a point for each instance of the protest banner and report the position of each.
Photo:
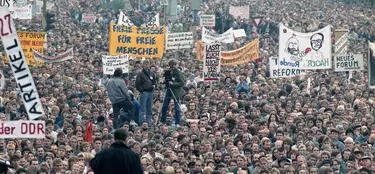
(207, 21)
(110, 63)
(22, 129)
(22, 12)
(240, 11)
(239, 33)
(210, 37)
(21, 72)
(145, 42)
(88, 18)
(67, 55)
(341, 41)
(124, 20)
(154, 21)
(211, 62)
(305, 50)
(277, 72)
(242, 55)
(179, 40)
(32, 41)
(371, 64)
(352, 62)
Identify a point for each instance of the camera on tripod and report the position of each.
(167, 76)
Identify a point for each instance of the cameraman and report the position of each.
(174, 81)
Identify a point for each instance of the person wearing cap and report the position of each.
(119, 96)
(173, 91)
(118, 159)
(145, 83)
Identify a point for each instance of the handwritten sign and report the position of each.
(32, 41)
(242, 55)
(211, 37)
(21, 72)
(22, 12)
(179, 40)
(22, 129)
(147, 42)
(240, 11)
(211, 62)
(88, 18)
(352, 62)
(207, 21)
(110, 63)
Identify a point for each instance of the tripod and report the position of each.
(164, 97)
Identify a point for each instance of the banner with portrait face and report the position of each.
(305, 50)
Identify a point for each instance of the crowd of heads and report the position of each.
(266, 126)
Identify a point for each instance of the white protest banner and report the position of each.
(305, 50)
(207, 20)
(353, 62)
(124, 20)
(239, 33)
(22, 129)
(240, 11)
(17, 62)
(20, 3)
(67, 55)
(210, 37)
(277, 72)
(154, 21)
(212, 62)
(23, 12)
(110, 63)
(341, 42)
(179, 40)
(88, 18)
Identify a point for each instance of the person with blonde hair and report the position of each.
(169, 170)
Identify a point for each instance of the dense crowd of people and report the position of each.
(245, 123)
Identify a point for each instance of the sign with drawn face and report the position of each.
(154, 21)
(305, 50)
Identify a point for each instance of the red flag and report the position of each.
(88, 132)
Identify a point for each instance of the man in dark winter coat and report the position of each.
(118, 159)
(145, 84)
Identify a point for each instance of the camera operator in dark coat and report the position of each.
(118, 159)
(175, 82)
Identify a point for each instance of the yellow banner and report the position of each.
(242, 55)
(30, 41)
(145, 42)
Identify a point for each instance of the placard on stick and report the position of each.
(212, 62)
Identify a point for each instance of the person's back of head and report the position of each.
(120, 134)
(169, 170)
(325, 170)
(118, 72)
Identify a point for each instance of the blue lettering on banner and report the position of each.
(289, 64)
(286, 72)
(317, 63)
(138, 51)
